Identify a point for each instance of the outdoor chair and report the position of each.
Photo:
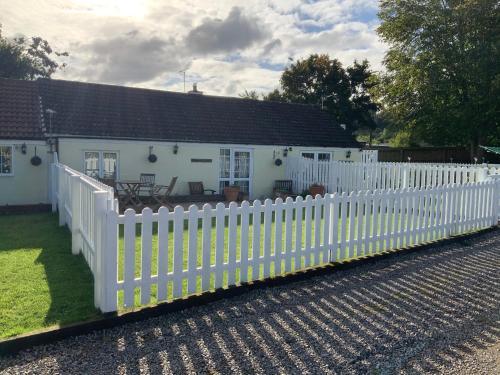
(161, 193)
(197, 188)
(283, 189)
(147, 181)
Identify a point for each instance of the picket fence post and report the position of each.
(109, 297)
(99, 240)
(75, 185)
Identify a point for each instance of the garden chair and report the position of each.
(197, 188)
(283, 189)
(161, 193)
(147, 181)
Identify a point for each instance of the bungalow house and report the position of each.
(111, 131)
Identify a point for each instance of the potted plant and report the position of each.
(316, 189)
(231, 193)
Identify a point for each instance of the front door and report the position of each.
(235, 168)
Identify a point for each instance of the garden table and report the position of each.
(130, 191)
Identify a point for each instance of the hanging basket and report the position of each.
(152, 158)
(36, 161)
(278, 162)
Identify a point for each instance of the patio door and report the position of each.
(235, 168)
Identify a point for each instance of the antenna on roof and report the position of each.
(183, 72)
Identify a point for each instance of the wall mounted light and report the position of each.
(348, 154)
(285, 152)
(23, 148)
(175, 149)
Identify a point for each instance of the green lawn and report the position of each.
(41, 283)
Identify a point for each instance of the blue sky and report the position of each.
(226, 46)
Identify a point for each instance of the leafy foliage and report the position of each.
(443, 70)
(22, 58)
(322, 81)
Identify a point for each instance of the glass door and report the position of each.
(235, 169)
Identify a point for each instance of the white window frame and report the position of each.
(12, 149)
(231, 178)
(101, 161)
(316, 154)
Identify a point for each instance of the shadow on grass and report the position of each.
(417, 313)
(43, 283)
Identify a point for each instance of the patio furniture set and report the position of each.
(145, 192)
(141, 192)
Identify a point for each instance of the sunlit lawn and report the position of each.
(41, 283)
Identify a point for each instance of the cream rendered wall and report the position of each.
(28, 184)
(132, 161)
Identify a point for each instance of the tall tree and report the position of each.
(323, 81)
(23, 58)
(443, 69)
(252, 94)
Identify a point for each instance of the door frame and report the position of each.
(231, 178)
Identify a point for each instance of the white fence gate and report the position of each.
(149, 257)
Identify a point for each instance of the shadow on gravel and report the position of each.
(418, 312)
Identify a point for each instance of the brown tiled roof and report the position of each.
(106, 111)
(19, 110)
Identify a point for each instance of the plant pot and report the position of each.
(317, 189)
(231, 193)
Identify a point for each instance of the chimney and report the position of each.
(195, 91)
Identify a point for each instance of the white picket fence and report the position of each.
(83, 204)
(147, 257)
(339, 177)
(369, 156)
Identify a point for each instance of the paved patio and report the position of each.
(436, 310)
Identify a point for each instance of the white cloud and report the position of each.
(228, 45)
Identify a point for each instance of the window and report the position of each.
(6, 160)
(317, 156)
(101, 164)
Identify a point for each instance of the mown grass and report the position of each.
(199, 236)
(41, 283)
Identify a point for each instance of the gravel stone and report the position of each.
(432, 311)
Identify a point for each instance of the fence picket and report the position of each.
(278, 240)
(178, 251)
(268, 221)
(245, 212)
(129, 258)
(288, 233)
(163, 229)
(256, 220)
(206, 247)
(219, 244)
(231, 244)
(146, 254)
(192, 247)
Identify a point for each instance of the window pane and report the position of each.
(323, 156)
(5, 159)
(109, 164)
(91, 167)
(241, 164)
(225, 163)
(244, 185)
(308, 155)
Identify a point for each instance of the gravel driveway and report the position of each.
(436, 310)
